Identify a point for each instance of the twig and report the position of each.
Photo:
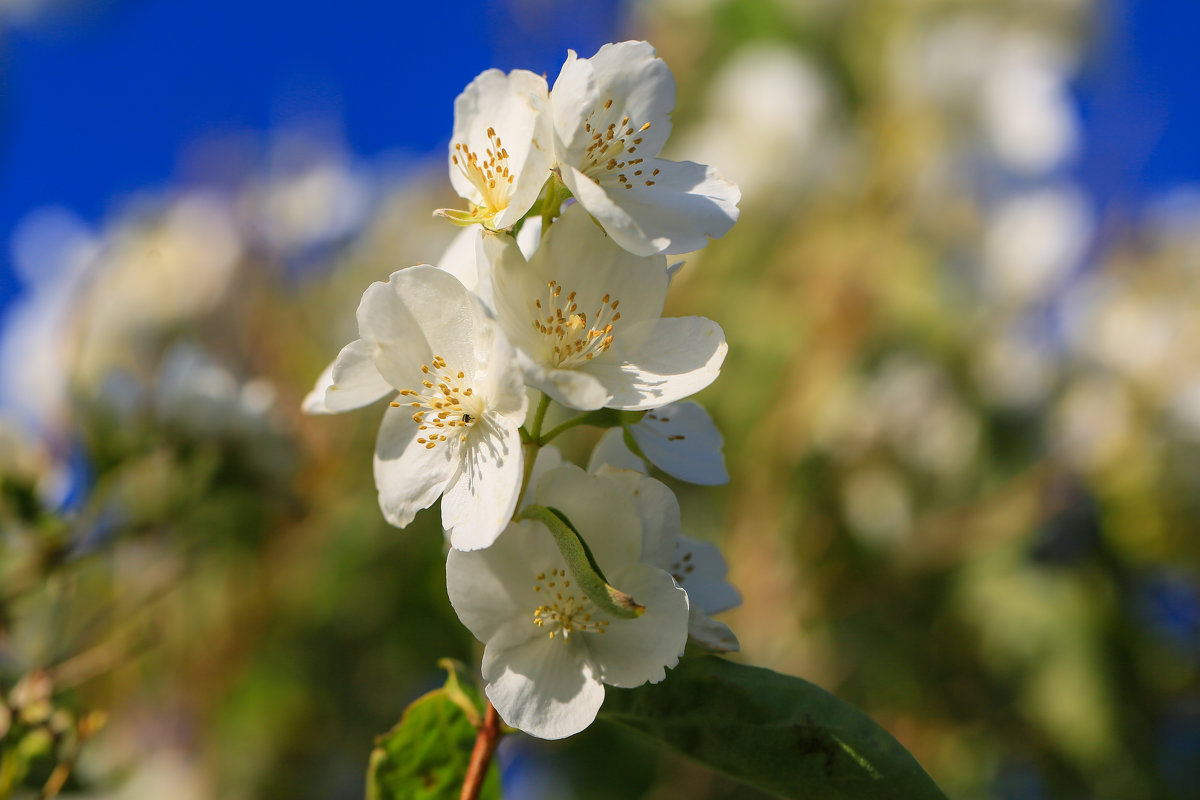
(481, 757)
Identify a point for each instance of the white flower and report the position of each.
(611, 118)
(502, 147)
(586, 315)
(548, 650)
(454, 430)
(679, 438)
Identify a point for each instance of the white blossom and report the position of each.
(586, 316)
(611, 118)
(502, 147)
(548, 650)
(453, 431)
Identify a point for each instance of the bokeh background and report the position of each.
(961, 410)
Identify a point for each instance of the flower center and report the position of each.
(570, 336)
(566, 612)
(445, 406)
(489, 175)
(612, 146)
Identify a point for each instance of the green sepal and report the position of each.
(582, 564)
(464, 219)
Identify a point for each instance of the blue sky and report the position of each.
(99, 103)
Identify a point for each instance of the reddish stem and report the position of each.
(481, 756)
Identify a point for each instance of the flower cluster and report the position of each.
(573, 579)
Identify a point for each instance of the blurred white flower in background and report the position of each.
(1013, 367)
(52, 252)
(197, 394)
(765, 118)
(313, 195)
(152, 274)
(1034, 241)
(1093, 420)
(1025, 104)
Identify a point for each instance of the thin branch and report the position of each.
(481, 756)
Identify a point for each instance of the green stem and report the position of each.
(556, 430)
(534, 444)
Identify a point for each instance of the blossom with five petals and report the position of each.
(453, 430)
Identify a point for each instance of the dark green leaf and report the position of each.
(425, 756)
(779, 733)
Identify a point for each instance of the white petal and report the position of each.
(682, 441)
(314, 401)
(530, 236)
(709, 635)
(572, 388)
(700, 569)
(408, 476)
(572, 99)
(498, 375)
(611, 451)
(544, 687)
(616, 221)
(634, 651)
(351, 381)
(621, 80)
(663, 361)
(657, 509)
(548, 458)
(674, 205)
(459, 259)
(600, 509)
(640, 85)
(481, 498)
(493, 587)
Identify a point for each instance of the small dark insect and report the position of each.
(468, 419)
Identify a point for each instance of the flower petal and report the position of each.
(548, 458)
(676, 205)
(709, 635)
(600, 509)
(634, 651)
(482, 496)
(622, 80)
(700, 569)
(351, 381)
(611, 451)
(408, 476)
(657, 509)
(682, 441)
(459, 258)
(546, 687)
(663, 361)
(492, 587)
(417, 313)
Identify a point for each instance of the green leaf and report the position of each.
(582, 563)
(425, 756)
(779, 733)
